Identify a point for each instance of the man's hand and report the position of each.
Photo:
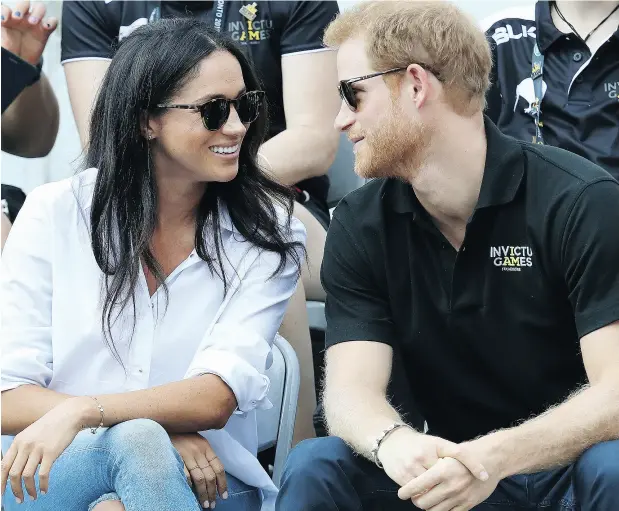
(406, 455)
(449, 485)
(25, 32)
(206, 471)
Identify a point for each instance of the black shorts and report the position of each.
(317, 207)
(12, 200)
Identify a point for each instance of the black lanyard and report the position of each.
(537, 70)
(560, 14)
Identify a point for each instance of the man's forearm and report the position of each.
(187, 406)
(30, 123)
(359, 420)
(299, 153)
(560, 435)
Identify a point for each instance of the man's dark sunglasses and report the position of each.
(215, 112)
(347, 93)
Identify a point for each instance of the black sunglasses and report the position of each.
(215, 112)
(347, 93)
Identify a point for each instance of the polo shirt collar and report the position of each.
(503, 173)
(503, 170)
(545, 31)
(402, 199)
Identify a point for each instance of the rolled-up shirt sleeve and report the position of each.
(26, 296)
(238, 346)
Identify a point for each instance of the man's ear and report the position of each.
(418, 84)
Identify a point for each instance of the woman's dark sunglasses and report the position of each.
(215, 112)
(347, 93)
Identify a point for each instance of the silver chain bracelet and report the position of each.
(95, 429)
(382, 437)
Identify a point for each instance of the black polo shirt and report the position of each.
(90, 30)
(489, 335)
(580, 105)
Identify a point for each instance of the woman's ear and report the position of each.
(147, 126)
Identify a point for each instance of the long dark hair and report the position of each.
(148, 68)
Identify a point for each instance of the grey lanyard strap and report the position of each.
(537, 70)
(218, 17)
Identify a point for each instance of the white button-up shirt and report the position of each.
(52, 336)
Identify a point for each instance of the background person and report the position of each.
(30, 124)
(578, 44)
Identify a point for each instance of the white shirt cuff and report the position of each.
(250, 387)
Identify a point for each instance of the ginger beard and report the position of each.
(395, 148)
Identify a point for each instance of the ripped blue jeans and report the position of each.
(133, 462)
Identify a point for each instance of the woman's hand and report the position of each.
(41, 444)
(206, 471)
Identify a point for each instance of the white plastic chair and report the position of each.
(276, 426)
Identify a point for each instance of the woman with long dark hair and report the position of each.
(140, 298)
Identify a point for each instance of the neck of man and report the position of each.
(585, 17)
(448, 183)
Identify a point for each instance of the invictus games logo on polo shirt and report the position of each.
(510, 258)
(612, 89)
(253, 30)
